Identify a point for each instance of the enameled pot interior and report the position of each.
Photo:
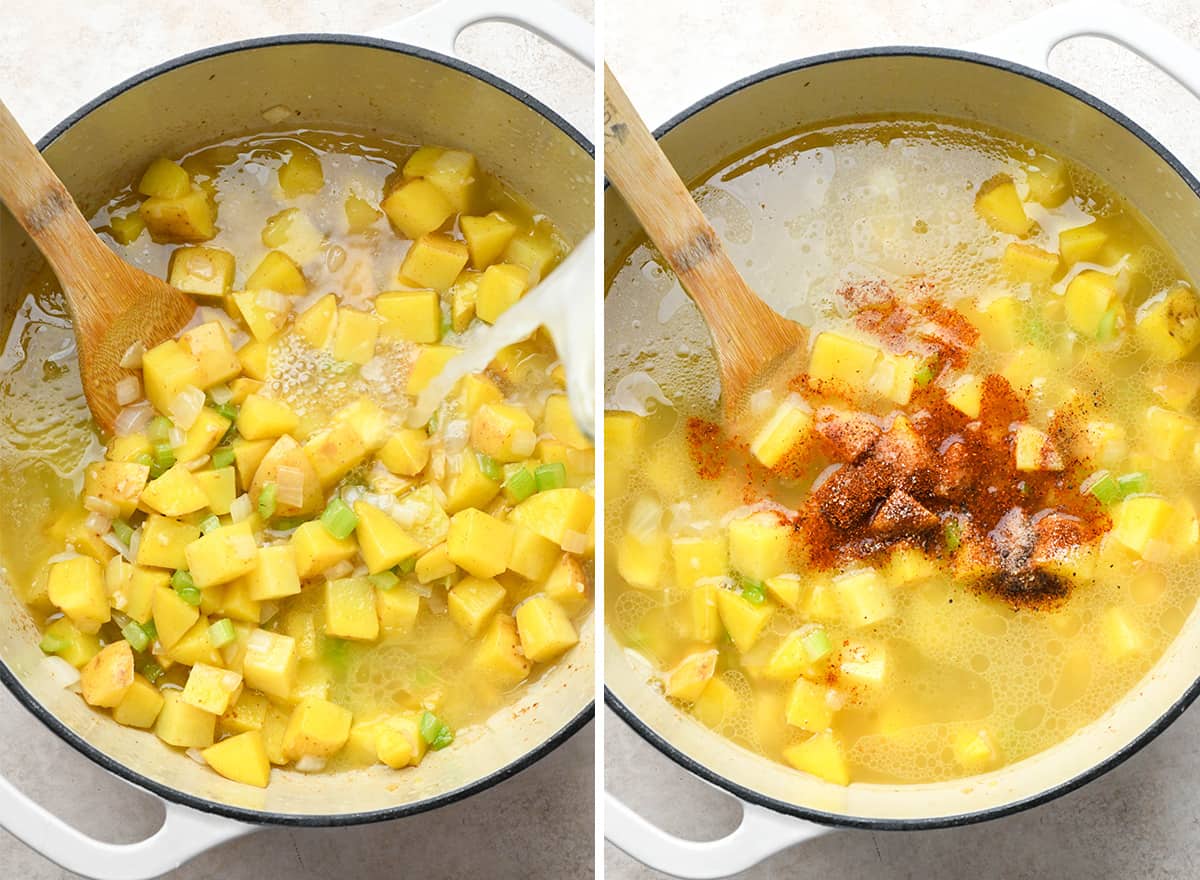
(900, 82)
(359, 85)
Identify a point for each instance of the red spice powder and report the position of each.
(708, 448)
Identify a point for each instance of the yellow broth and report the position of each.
(908, 670)
(382, 657)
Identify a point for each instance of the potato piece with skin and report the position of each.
(472, 601)
(182, 725)
(317, 728)
(107, 677)
(688, 680)
(1089, 297)
(286, 453)
(499, 655)
(188, 218)
(248, 455)
(545, 630)
(503, 431)
(533, 556)
(201, 271)
(242, 758)
(417, 208)
(999, 205)
(76, 586)
(301, 174)
(487, 237)
(434, 261)
(117, 482)
(1168, 324)
(567, 584)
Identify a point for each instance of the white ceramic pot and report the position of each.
(376, 85)
(782, 806)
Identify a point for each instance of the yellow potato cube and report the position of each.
(292, 232)
(476, 390)
(533, 556)
(316, 323)
(183, 725)
(787, 428)
(242, 387)
(822, 756)
(222, 555)
(1048, 181)
(786, 588)
(173, 617)
(487, 237)
(381, 540)
(499, 288)
(417, 208)
(808, 707)
(253, 358)
(318, 728)
(864, 597)
(107, 677)
(215, 358)
(201, 271)
(976, 750)
(999, 205)
(164, 179)
(262, 417)
(262, 311)
(500, 656)
(414, 315)
(1174, 433)
(758, 545)
(1168, 324)
(278, 272)
(1089, 296)
(301, 174)
(186, 218)
(248, 455)
(699, 559)
(561, 423)
(434, 261)
(242, 758)
(128, 448)
(545, 629)
(361, 215)
(478, 543)
(211, 688)
(503, 431)
(175, 493)
(743, 620)
(537, 250)
(472, 602)
(248, 712)
(641, 556)
(117, 482)
(140, 705)
(966, 395)
(704, 617)
(688, 680)
(203, 436)
(405, 452)
(316, 550)
(336, 452)
(397, 609)
(270, 663)
(167, 369)
(1033, 450)
(1143, 523)
(718, 704)
(567, 584)
(1029, 263)
(557, 514)
(429, 363)
(355, 337)
(470, 487)
(275, 576)
(76, 586)
(394, 747)
(1082, 244)
(81, 647)
(435, 565)
(350, 609)
(126, 228)
(842, 360)
(454, 172)
(1121, 636)
(219, 487)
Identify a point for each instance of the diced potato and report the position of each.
(1033, 450)
(1168, 324)
(167, 369)
(222, 555)
(434, 262)
(242, 758)
(1082, 244)
(545, 629)
(401, 735)
(500, 656)
(688, 680)
(361, 215)
(316, 550)
(758, 545)
(107, 677)
(966, 395)
(336, 452)
(1048, 181)
(717, 704)
(317, 728)
(864, 597)
(413, 315)
(808, 706)
(699, 559)
(140, 705)
(999, 205)
(1000, 323)
(567, 584)
(188, 217)
(1029, 263)
(479, 544)
(248, 712)
(1121, 635)
(253, 358)
(81, 647)
(117, 482)
(895, 377)
(1090, 295)
(500, 287)
(434, 565)
(455, 173)
(797, 653)
(976, 750)
(301, 174)
(703, 615)
(203, 436)
(355, 337)
(350, 609)
(503, 431)
(262, 417)
(129, 447)
(470, 487)
(173, 617)
(175, 493)
(842, 360)
(182, 725)
(215, 358)
(786, 589)
(864, 664)
(76, 586)
(536, 250)
(248, 455)
(786, 429)
(126, 228)
(641, 556)
(556, 514)
(822, 756)
(1143, 523)
(406, 452)
(487, 237)
(263, 312)
(316, 323)
(743, 620)
(397, 609)
(275, 575)
(293, 232)
(211, 688)
(428, 364)
(165, 179)
(1174, 434)
(417, 208)
(236, 601)
(201, 271)
(472, 602)
(381, 540)
(286, 453)
(270, 663)
(533, 555)
(278, 272)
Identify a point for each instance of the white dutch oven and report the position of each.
(371, 84)
(782, 807)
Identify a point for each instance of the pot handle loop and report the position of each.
(184, 834)
(438, 26)
(761, 834)
(1031, 42)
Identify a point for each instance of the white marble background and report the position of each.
(1142, 819)
(54, 56)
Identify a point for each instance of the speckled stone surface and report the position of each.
(539, 824)
(1140, 820)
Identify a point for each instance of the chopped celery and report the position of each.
(228, 410)
(953, 534)
(123, 531)
(1133, 483)
(210, 522)
(436, 733)
(164, 456)
(52, 644)
(287, 523)
(754, 591)
(385, 580)
(266, 501)
(816, 644)
(150, 630)
(137, 637)
(223, 457)
(1104, 488)
(159, 430)
(552, 475)
(1106, 330)
(339, 520)
(407, 566)
(152, 671)
(520, 485)
(489, 467)
(222, 633)
(144, 458)
(186, 587)
(924, 375)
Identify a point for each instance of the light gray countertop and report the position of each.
(1142, 818)
(539, 824)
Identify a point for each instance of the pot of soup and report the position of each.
(946, 567)
(388, 617)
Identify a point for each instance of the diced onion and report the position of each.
(272, 301)
(196, 755)
(438, 494)
(62, 557)
(574, 542)
(186, 407)
(310, 764)
(102, 506)
(61, 672)
(760, 401)
(360, 570)
(134, 543)
(220, 394)
(176, 436)
(524, 442)
(645, 517)
(132, 359)
(289, 486)
(128, 390)
(241, 508)
(266, 611)
(97, 523)
(132, 419)
(454, 435)
(113, 541)
(340, 570)
(422, 590)
(196, 463)
(437, 602)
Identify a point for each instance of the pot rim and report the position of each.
(1096, 770)
(266, 817)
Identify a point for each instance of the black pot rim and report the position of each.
(1100, 768)
(264, 817)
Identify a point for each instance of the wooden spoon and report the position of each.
(748, 334)
(113, 305)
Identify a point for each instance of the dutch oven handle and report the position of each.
(1031, 42)
(184, 834)
(438, 27)
(760, 835)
